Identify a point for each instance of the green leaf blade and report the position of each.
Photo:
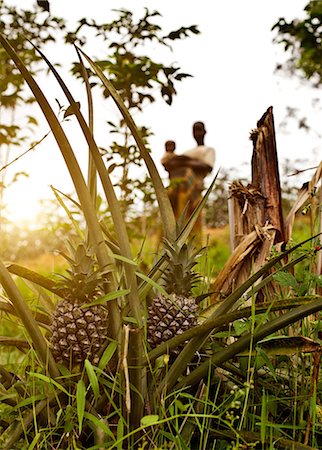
(149, 420)
(92, 378)
(107, 355)
(80, 401)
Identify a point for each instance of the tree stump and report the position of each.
(255, 208)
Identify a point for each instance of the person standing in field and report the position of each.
(187, 172)
(201, 160)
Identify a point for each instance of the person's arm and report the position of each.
(175, 162)
(198, 165)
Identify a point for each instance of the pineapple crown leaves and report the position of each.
(83, 280)
(179, 275)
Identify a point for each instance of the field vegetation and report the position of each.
(112, 333)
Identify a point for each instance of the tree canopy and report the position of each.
(302, 39)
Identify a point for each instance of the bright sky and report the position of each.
(232, 62)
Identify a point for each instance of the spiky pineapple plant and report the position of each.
(173, 314)
(79, 329)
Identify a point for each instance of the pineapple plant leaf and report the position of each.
(27, 319)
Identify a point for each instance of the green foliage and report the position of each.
(302, 39)
(87, 405)
(134, 76)
(216, 392)
(20, 25)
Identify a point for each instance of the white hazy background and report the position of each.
(232, 62)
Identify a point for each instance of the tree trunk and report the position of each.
(265, 173)
(255, 207)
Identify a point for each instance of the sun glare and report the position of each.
(23, 212)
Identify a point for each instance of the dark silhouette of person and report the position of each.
(202, 156)
(173, 163)
(170, 147)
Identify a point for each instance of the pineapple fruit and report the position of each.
(169, 317)
(78, 330)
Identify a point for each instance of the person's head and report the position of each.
(170, 146)
(199, 131)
